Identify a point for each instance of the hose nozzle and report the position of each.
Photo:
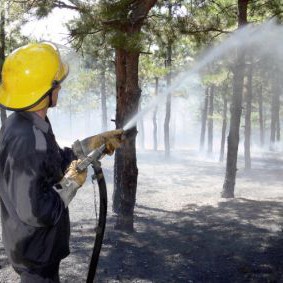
(111, 140)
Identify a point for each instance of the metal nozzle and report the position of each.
(94, 156)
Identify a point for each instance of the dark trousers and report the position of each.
(46, 274)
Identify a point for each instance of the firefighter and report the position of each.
(38, 179)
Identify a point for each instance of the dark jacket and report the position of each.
(35, 223)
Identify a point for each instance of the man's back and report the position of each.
(34, 219)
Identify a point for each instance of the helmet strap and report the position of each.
(50, 98)
(55, 84)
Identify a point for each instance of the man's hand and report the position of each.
(74, 175)
(71, 182)
(111, 139)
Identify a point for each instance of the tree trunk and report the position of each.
(278, 128)
(260, 114)
(248, 116)
(125, 169)
(168, 108)
(224, 126)
(141, 130)
(279, 75)
(2, 52)
(233, 137)
(236, 111)
(168, 64)
(128, 94)
(210, 120)
(167, 120)
(154, 117)
(204, 119)
(103, 98)
(275, 108)
(173, 132)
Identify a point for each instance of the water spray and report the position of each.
(242, 38)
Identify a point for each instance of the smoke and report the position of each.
(264, 41)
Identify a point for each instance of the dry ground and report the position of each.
(184, 231)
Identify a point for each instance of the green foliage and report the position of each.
(206, 20)
(131, 42)
(44, 7)
(166, 27)
(150, 68)
(262, 10)
(110, 20)
(12, 17)
(215, 76)
(81, 91)
(117, 10)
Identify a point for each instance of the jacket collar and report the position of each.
(36, 120)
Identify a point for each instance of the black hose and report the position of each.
(98, 173)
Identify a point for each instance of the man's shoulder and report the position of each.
(16, 120)
(22, 136)
(16, 126)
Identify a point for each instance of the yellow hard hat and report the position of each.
(28, 75)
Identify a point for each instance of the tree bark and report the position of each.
(210, 120)
(249, 97)
(125, 169)
(236, 111)
(204, 119)
(2, 52)
(260, 114)
(154, 117)
(224, 126)
(103, 98)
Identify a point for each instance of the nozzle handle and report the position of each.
(92, 157)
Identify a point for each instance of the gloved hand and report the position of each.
(71, 182)
(111, 139)
(72, 174)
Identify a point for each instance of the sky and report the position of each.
(51, 28)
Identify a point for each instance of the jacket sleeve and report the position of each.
(68, 156)
(36, 203)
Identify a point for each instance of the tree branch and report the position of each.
(63, 5)
(191, 32)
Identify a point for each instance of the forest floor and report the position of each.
(184, 231)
